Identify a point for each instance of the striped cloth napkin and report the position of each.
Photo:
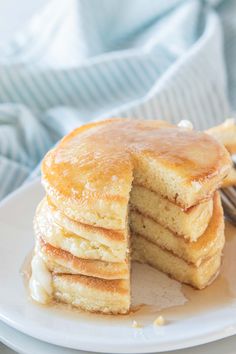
(78, 60)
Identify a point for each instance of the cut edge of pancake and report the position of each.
(197, 276)
(192, 252)
(190, 224)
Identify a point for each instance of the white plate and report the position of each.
(24, 344)
(86, 331)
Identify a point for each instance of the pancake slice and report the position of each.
(199, 277)
(192, 252)
(190, 223)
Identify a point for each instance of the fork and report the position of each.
(228, 198)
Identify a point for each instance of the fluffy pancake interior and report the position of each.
(190, 223)
(194, 252)
(199, 277)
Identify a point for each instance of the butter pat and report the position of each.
(186, 124)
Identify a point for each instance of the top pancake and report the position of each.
(90, 172)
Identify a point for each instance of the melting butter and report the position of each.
(41, 281)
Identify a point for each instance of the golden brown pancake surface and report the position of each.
(91, 169)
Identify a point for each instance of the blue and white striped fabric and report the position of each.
(80, 60)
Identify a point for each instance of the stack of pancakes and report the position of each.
(89, 265)
(122, 188)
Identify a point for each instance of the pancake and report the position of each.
(208, 244)
(77, 245)
(225, 133)
(117, 239)
(62, 262)
(88, 293)
(190, 223)
(100, 160)
(199, 277)
(93, 294)
(230, 180)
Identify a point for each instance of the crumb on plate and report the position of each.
(135, 324)
(159, 321)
